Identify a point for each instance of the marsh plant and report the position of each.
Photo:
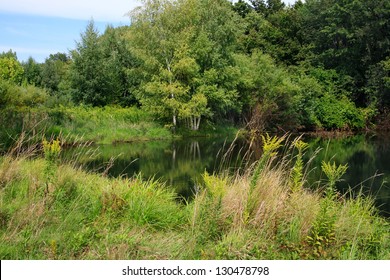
(298, 168)
(270, 146)
(51, 151)
(322, 233)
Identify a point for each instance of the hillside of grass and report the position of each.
(50, 210)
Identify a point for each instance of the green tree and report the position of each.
(54, 71)
(186, 47)
(269, 93)
(242, 8)
(349, 36)
(277, 33)
(260, 6)
(9, 54)
(378, 85)
(267, 7)
(118, 63)
(10, 68)
(87, 72)
(101, 72)
(32, 72)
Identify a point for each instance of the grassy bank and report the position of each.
(100, 125)
(81, 124)
(53, 211)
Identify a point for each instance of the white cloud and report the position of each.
(100, 10)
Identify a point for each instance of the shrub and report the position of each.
(335, 113)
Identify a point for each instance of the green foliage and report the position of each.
(87, 74)
(32, 72)
(334, 174)
(189, 58)
(51, 151)
(267, 90)
(322, 233)
(334, 113)
(12, 95)
(310, 66)
(99, 72)
(348, 36)
(10, 70)
(104, 125)
(297, 170)
(241, 7)
(270, 145)
(378, 84)
(55, 72)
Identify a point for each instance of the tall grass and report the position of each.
(263, 213)
(105, 125)
(79, 125)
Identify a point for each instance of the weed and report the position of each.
(297, 170)
(270, 145)
(51, 152)
(334, 173)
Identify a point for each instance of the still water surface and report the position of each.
(180, 163)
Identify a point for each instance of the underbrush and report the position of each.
(105, 125)
(50, 210)
(78, 124)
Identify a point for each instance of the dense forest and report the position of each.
(315, 65)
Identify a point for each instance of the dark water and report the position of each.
(181, 163)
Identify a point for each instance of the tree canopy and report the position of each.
(318, 64)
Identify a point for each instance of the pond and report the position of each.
(181, 163)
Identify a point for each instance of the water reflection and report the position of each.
(181, 163)
(368, 160)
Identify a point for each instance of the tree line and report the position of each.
(318, 64)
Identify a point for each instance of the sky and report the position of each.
(38, 28)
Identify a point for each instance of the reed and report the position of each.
(254, 214)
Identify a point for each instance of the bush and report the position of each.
(340, 113)
(19, 96)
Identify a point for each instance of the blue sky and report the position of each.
(38, 28)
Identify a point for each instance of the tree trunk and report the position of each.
(194, 123)
(198, 123)
(174, 120)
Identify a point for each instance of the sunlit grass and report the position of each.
(79, 215)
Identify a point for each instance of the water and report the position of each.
(181, 163)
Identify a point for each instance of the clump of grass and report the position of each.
(278, 221)
(79, 212)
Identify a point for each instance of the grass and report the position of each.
(72, 214)
(99, 125)
(106, 125)
(79, 124)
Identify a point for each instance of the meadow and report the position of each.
(51, 210)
